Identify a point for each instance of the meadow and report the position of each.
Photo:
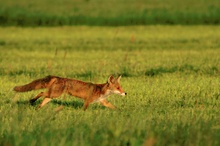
(170, 74)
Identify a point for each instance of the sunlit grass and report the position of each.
(171, 75)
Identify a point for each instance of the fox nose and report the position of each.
(125, 93)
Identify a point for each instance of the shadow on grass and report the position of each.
(74, 104)
(26, 102)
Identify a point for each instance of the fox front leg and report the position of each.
(86, 104)
(108, 104)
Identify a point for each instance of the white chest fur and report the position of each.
(103, 96)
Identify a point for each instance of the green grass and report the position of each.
(108, 13)
(171, 75)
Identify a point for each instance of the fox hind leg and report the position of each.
(45, 101)
(48, 97)
(36, 97)
(53, 92)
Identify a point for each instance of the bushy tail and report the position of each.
(34, 85)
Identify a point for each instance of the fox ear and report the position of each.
(111, 79)
(118, 79)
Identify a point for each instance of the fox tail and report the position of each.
(36, 84)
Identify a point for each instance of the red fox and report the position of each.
(89, 92)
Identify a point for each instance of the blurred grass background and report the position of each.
(108, 13)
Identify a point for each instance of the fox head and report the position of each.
(114, 86)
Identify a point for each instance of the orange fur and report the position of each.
(87, 91)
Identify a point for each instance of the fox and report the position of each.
(88, 91)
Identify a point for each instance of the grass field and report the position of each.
(171, 75)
